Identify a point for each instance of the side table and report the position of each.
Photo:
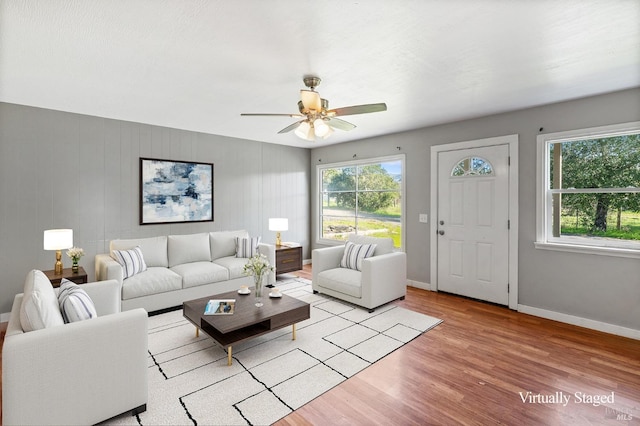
(79, 277)
(288, 258)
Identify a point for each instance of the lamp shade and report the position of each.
(278, 224)
(305, 131)
(58, 239)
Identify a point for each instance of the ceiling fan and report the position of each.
(317, 119)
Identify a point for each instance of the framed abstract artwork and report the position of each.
(175, 191)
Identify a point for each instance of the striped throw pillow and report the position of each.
(75, 303)
(131, 260)
(247, 247)
(355, 253)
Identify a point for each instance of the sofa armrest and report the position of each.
(78, 373)
(108, 269)
(269, 250)
(105, 295)
(325, 258)
(384, 277)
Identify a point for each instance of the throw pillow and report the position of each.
(247, 247)
(75, 303)
(131, 260)
(39, 307)
(355, 253)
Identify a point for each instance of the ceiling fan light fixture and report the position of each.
(305, 131)
(321, 128)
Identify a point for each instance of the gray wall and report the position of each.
(600, 288)
(62, 170)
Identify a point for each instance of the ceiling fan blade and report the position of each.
(256, 114)
(357, 109)
(340, 124)
(291, 127)
(311, 100)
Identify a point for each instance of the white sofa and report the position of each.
(180, 268)
(78, 373)
(382, 278)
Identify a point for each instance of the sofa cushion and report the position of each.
(235, 265)
(223, 243)
(354, 254)
(342, 280)
(39, 307)
(75, 304)
(154, 249)
(198, 273)
(153, 280)
(132, 261)
(247, 247)
(383, 245)
(188, 248)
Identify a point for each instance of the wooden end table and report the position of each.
(79, 277)
(288, 258)
(247, 321)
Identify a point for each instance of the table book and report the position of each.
(220, 307)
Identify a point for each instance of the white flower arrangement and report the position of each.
(257, 266)
(75, 253)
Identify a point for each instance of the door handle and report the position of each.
(441, 232)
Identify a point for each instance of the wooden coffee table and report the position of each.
(247, 321)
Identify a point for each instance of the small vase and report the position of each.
(258, 292)
(74, 266)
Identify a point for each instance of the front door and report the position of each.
(472, 223)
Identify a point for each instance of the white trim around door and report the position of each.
(512, 142)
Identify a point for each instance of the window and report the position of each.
(364, 198)
(589, 190)
(472, 166)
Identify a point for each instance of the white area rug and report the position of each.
(272, 375)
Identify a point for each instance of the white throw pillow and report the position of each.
(131, 260)
(39, 307)
(75, 303)
(247, 247)
(355, 253)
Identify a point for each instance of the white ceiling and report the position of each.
(198, 64)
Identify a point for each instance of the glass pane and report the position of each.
(338, 227)
(339, 179)
(339, 203)
(612, 162)
(598, 216)
(472, 166)
(380, 176)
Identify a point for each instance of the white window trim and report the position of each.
(318, 212)
(543, 201)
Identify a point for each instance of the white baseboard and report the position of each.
(306, 261)
(5, 317)
(581, 322)
(418, 284)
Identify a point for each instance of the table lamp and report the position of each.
(58, 240)
(278, 224)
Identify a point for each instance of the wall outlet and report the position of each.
(424, 218)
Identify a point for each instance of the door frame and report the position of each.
(512, 142)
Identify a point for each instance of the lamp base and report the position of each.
(58, 266)
(278, 240)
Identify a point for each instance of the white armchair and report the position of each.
(78, 373)
(382, 279)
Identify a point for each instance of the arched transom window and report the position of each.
(472, 166)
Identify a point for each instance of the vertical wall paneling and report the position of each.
(68, 170)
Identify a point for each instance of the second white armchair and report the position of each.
(380, 279)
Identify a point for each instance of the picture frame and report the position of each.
(175, 191)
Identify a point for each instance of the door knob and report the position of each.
(442, 222)
(441, 232)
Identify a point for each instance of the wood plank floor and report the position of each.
(472, 369)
